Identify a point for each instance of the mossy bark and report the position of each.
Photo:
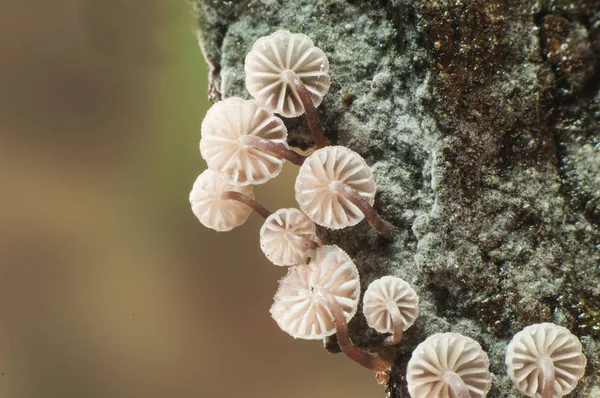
(481, 121)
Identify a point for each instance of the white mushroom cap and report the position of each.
(442, 353)
(530, 345)
(211, 210)
(384, 293)
(284, 235)
(323, 205)
(282, 51)
(298, 307)
(221, 145)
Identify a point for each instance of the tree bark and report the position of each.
(481, 121)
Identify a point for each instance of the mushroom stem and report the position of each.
(547, 377)
(309, 108)
(457, 384)
(274, 147)
(357, 200)
(394, 311)
(248, 201)
(369, 361)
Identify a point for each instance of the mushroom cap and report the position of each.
(282, 236)
(314, 196)
(385, 292)
(282, 51)
(299, 308)
(240, 164)
(526, 349)
(211, 210)
(448, 352)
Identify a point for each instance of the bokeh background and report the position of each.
(109, 286)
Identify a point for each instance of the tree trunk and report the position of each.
(481, 121)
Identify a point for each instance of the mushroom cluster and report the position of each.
(244, 144)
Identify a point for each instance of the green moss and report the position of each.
(587, 316)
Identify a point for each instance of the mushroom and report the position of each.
(448, 365)
(287, 236)
(545, 360)
(317, 300)
(300, 310)
(222, 206)
(245, 142)
(287, 73)
(390, 305)
(335, 188)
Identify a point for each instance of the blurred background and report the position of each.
(109, 286)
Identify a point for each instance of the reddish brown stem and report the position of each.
(397, 323)
(457, 385)
(309, 109)
(547, 377)
(369, 361)
(357, 200)
(275, 148)
(248, 201)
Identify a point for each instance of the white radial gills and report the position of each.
(240, 164)
(214, 212)
(282, 236)
(527, 347)
(447, 352)
(323, 206)
(298, 307)
(282, 51)
(386, 291)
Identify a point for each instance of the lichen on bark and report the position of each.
(481, 121)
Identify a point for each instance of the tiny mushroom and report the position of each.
(222, 206)
(287, 236)
(448, 365)
(390, 305)
(287, 73)
(317, 300)
(545, 360)
(245, 142)
(299, 308)
(335, 188)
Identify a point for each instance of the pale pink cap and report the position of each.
(214, 212)
(222, 143)
(283, 51)
(299, 308)
(448, 352)
(323, 205)
(284, 237)
(384, 293)
(530, 345)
